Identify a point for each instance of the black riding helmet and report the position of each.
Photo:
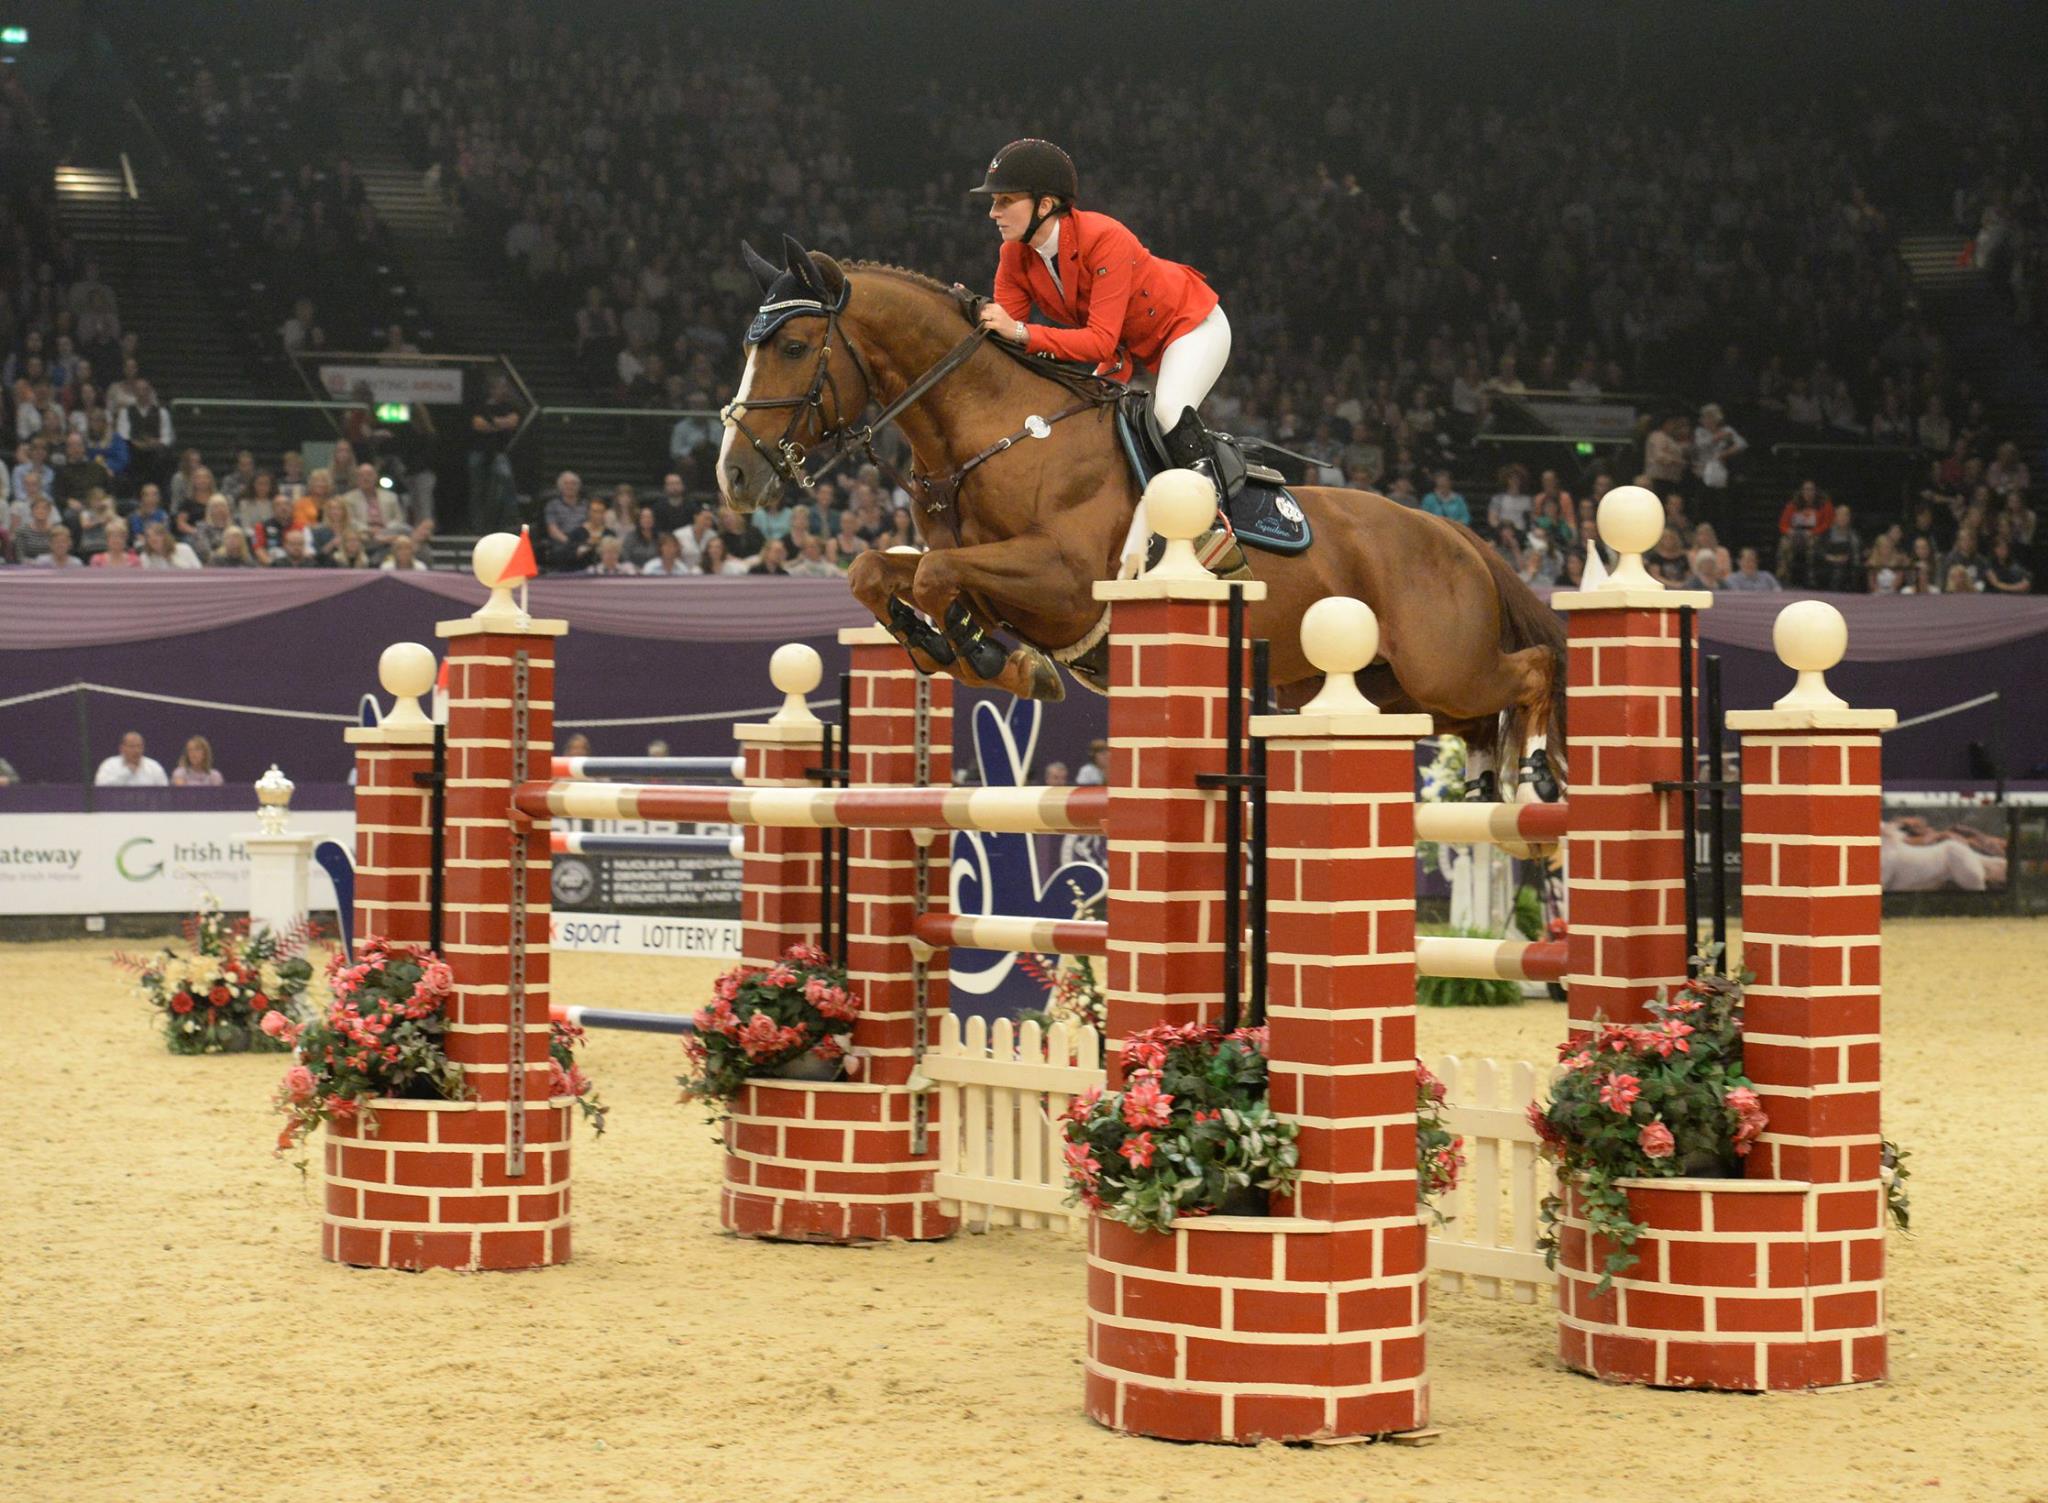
(1036, 167)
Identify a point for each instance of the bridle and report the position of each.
(786, 458)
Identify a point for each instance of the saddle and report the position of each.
(1257, 507)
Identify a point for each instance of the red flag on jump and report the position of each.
(521, 564)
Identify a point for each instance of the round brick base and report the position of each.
(1248, 1328)
(1742, 1285)
(829, 1161)
(422, 1184)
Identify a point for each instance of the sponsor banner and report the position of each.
(646, 934)
(692, 884)
(395, 383)
(142, 862)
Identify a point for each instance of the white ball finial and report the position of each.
(1631, 522)
(487, 561)
(1179, 506)
(1341, 636)
(796, 669)
(406, 670)
(1810, 637)
(273, 799)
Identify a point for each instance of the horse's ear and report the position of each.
(831, 276)
(763, 269)
(798, 261)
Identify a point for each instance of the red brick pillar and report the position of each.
(481, 1183)
(1812, 795)
(1774, 1280)
(1308, 1323)
(393, 842)
(1625, 858)
(1168, 717)
(847, 1161)
(779, 867)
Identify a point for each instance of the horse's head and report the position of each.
(802, 384)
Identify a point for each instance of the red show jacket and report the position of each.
(1119, 296)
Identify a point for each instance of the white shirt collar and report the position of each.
(1050, 251)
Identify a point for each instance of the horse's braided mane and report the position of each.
(930, 284)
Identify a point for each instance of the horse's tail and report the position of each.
(1525, 621)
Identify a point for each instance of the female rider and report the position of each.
(1121, 303)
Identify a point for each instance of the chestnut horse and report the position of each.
(1024, 499)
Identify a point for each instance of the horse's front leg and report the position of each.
(881, 582)
(1031, 567)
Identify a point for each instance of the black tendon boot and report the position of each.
(981, 653)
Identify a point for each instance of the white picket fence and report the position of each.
(1002, 1088)
(1488, 1241)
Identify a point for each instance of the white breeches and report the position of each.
(1187, 370)
(1189, 367)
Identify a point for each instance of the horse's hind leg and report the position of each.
(1482, 736)
(1504, 703)
(1527, 723)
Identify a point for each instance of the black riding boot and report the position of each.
(1188, 445)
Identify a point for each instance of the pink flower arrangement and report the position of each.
(1145, 1105)
(381, 1037)
(566, 1077)
(1648, 1099)
(1190, 1131)
(1619, 1092)
(762, 1018)
(1439, 1152)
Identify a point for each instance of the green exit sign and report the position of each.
(394, 412)
(13, 36)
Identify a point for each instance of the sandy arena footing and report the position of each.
(172, 1333)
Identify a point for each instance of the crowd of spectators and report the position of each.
(1742, 259)
(1481, 256)
(87, 432)
(611, 186)
(2001, 203)
(96, 508)
(670, 534)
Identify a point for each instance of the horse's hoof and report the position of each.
(1484, 789)
(1536, 778)
(1041, 676)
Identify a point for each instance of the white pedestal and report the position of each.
(278, 867)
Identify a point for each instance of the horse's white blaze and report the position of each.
(736, 411)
